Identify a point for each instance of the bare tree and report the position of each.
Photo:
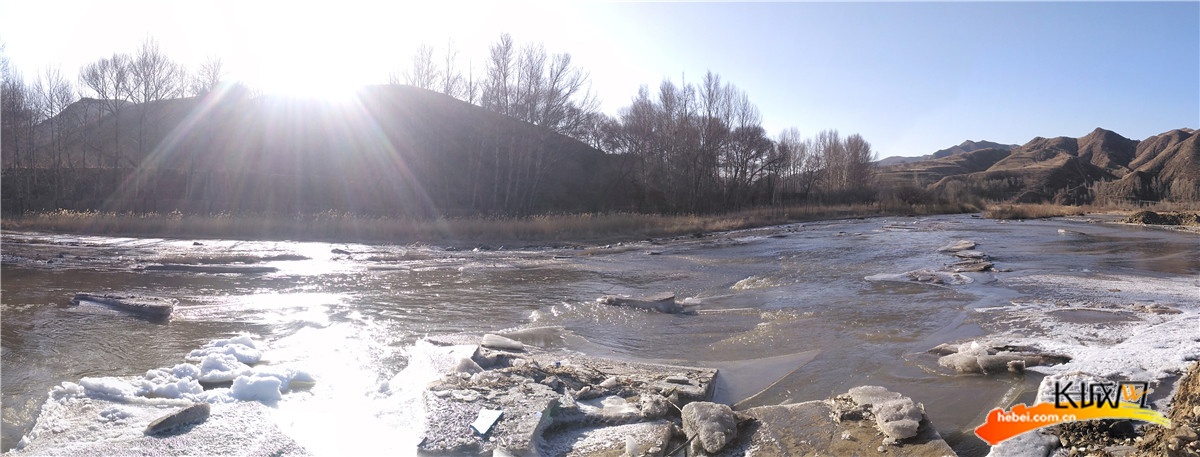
(54, 94)
(18, 114)
(858, 162)
(422, 72)
(567, 101)
(451, 76)
(498, 87)
(210, 73)
(110, 80)
(471, 85)
(155, 77)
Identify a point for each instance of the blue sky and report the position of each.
(910, 77)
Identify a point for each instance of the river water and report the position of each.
(812, 305)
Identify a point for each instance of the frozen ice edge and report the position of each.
(1141, 346)
(236, 360)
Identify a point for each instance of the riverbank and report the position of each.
(1046, 210)
(1181, 439)
(561, 229)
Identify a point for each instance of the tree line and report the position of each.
(45, 112)
(685, 148)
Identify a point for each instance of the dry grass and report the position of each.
(1045, 210)
(546, 229)
(1032, 211)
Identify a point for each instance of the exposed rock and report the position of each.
(1182, 439)
(661, 302)
(157, 307)
(709, 426)
(1155, 308)
(971, 254)
(960, 245)
(562, 403)
(555, 402)
(839, 426)
(972, 266)
(190, 415)
(924, 276)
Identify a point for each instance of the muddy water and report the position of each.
(788, 303)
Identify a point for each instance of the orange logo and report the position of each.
(1126, 400)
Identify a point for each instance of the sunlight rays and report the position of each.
(342, 143)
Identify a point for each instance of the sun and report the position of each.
(297, 70)
(302, 54)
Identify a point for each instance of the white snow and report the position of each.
(241, 348)
(261, 388)
(221, 368)
(111, 387)
(222, 360)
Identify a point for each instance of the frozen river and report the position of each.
(825, 306)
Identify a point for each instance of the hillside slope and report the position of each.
(966, 146)
(389, 150)
(1074, 170)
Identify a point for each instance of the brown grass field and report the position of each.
(536, 230)
(1045, 210)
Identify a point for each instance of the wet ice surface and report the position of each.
(826, 307)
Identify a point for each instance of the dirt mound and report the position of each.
(1181, 438)
(1153, 218)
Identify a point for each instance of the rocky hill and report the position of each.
(1101, 165)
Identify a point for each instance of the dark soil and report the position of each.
(1153, 218)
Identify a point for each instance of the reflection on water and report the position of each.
(794, 309)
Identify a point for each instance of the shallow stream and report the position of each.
(790, 303)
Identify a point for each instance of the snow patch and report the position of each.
(222, 360)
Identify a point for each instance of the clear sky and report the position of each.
(910, 77)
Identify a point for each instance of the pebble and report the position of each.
(1186, 433)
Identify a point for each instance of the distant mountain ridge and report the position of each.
(966, 146)
(1101, 165)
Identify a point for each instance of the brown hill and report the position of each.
(390, 150)
(1107, 150)
(1102, 164)
(966, 146)
(1149, 148)
(969, 146)
(1172, 173)
(927, 172)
